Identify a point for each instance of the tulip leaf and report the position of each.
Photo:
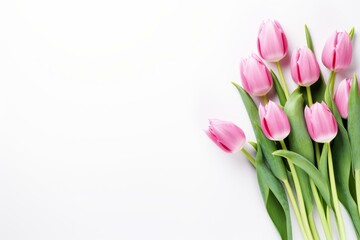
(253, 144)
(274, 197)
(278, 88)
(268, 147)
(353, 123)
(300, 141)
(305, 164)
(341, 151)
(352, 33)
(319, 87)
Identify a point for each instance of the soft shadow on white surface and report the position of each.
(102, 111)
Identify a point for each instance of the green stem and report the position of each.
(282, 79)
(339, 218)
(308, 91)
(265, 99)
(295, 206)
(313, 229)
(357, 186)
(331, 82)
(317, 153)
(328, 217)
(321, 211)
(299, 194)
(248, 155)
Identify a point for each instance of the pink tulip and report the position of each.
(255, 76)
(337, 52)
(226, 135)
(320, 122)
(305, 69)
(272, 43)
(274, 122)
(341, 96)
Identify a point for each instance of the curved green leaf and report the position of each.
(300, 141)
(341, 151)
(268, 147)
(278, 88)
(321, 183)
(353, 123)
(274, 197)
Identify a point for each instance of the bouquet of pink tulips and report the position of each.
(308, 144)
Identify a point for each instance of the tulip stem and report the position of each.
(295, 206)
(332, 82)
(265, 99)
(357, 186)
(299, 194)
(339, 218)
(309, 96)
(282, 79)
(248, 155)
(321, 211)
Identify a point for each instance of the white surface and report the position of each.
(102, 107)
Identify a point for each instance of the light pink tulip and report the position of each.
(272, 43)
(274, 122)
(226, 135)
(320, 122)
(337, 52)
(341, 97)
(305, 69)
(255, 76)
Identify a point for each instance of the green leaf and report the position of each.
(308, 39)
(341, 151)
(278, 88)
(268, 147)
(321, 183)
(300, 141)
(253, 144)
(353, 123)
(352, 33)
(274, 197)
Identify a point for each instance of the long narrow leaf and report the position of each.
(353, 123)
(321, 183)
(274, 197)
(268, 147)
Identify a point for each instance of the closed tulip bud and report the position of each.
(305, 69)
(255, 76)
(320, 122)
(274, 122)
(341, 97)
(272, 43)
(226, 135)
(337, 52)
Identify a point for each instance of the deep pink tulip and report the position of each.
(226, 135)
(274, 122)
(337, 52)
(320, 122)
(341, 97)
(272, 43)
(305, 69)
(255, 76)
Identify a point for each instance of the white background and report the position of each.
(103, 106)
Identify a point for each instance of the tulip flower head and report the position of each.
(341, 97)
(337, 52)
(305, 69)
(226, 135)
(274, 122)
(320, 122)
(255, 76)
(272, 43)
